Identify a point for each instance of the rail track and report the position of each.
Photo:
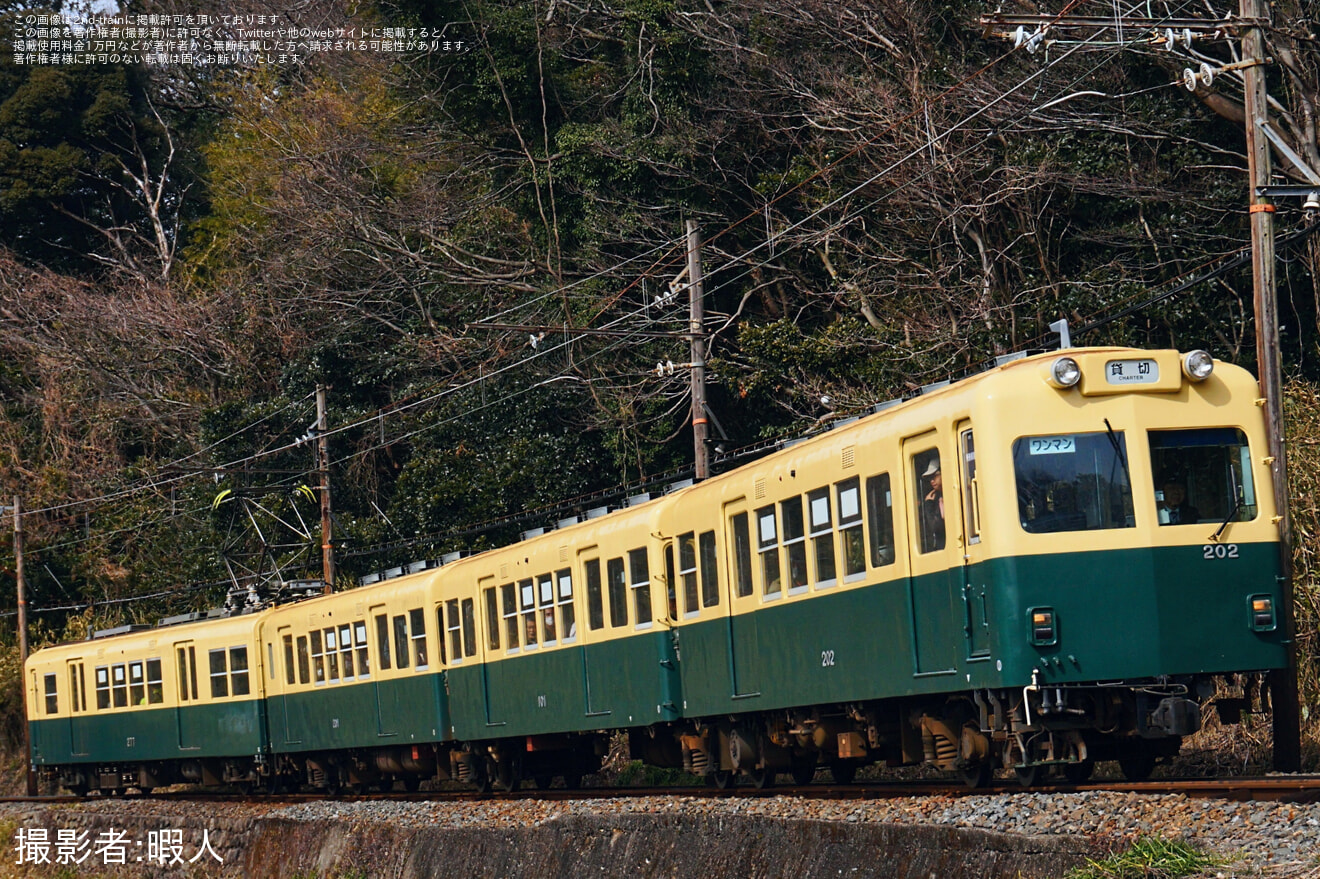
(1288, 789)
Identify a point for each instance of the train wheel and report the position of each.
(543, 781)
(1076, 773)
(483, 780)
(803, 772)
(509, 774)
(1029, 776)
(1137, 767)
(843, 772)
(976, 776)
(762, 778)
(412, 783)
(720, 779)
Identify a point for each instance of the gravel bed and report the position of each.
(1273, 840)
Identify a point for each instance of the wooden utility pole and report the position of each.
(23, 636)
(1283, 683)
(323, 468)
(697, 337)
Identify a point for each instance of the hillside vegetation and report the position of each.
(888, 196)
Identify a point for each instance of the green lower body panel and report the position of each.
(223, 729)
(367, 714)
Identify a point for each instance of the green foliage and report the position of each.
(1149, 858)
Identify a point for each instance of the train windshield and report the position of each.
(1073, 482)
(1202, 475)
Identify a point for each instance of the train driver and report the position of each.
(1174, 509)
(932, 508)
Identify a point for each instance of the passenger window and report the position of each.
(567, 616)
(346, 651)
(400, 641)
(441, 649)
(742, 554)
(155, 682)
(332, 656)
(119, 685)
(710, 572)
(304, 668)
(671, 581)
(318, 657)
(73, 687)
(795, 543)
(687, 572)
(880, 520)
(510, 595)
(492, 620)
(52, 699)
(929, 482)
(849, 497)
(618, 589)
(822, 536)
(469, 628)
(455, 634)
(595, 601)
(192, 670)
(360, 642)
(640, 571)
(383, 640)
(768, 546)
(971, 500)
(219, 674)
(137, 685)
(289, 673)
(528, 596)
(545, 589)
(238, 671)
(418, 620)
(103, 684)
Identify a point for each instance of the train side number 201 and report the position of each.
(1219, 551)
(827, 659)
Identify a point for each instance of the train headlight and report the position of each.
(1262, 613)
(1044, 630)
(1197, 365)
(1064, 373)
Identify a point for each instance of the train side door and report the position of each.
(78, 737)
(387, 691)
(505, 606)
(741, 623)
(285, 681)
(976, 602)
(594, 681)
(189, 725)
(935, 572)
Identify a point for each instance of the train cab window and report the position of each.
(219, 674)
(545, 596)
(768, 546)
(418, 620)
(360, 644)
(640, 581)
(453, 627)
(742, 554)
(527, 597)
(469, 628)
(595, 601)
(331, 656)
(155, 683)
(137, 685)
(795, 543)
(848, 497)
(822, 537)
(318, 658)
(119, 685)
(52, 698)
(383, 640)
(400, 641)
(509, 596)
(1073, 482)
(928, 479)
(710, 572)
(567, 614)
(304, 661)
(103, 685)
(289, 672)
(346, 652)
(617, 584)
(1202, 475)
(687, 572)
(238, 671)
(880, 520)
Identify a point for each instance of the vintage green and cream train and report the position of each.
(1060, 561)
